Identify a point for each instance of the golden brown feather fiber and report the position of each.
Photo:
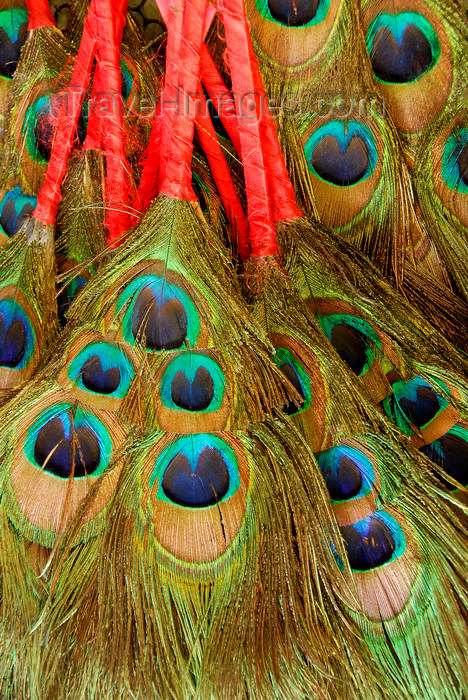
(337, 88)
(80, 219)
(40, 72)
(172, 239)
(27, 278)
(172, 629)
(323, 265)
(283, 315)
(417, 104)
(445, 205)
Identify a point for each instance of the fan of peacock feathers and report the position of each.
(233, 349)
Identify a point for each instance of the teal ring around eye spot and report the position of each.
(110, 357)
(397, 24)
(81, 418)
(163, 292)
(343, 132)
(192, 446)
(189, 363)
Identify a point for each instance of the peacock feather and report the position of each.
(233, 337)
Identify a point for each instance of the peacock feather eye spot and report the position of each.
(16, 335)
(291, 373)
(15, 208)
(13, 33)
(63, 451)
(193, 382)
(368, 543)
(158, 314)
(296, 374)
(196, 471)
(421, 409)
(102, 368)
(195, 395)
(338, 165)
(341, 154)
(414, 403)
(347, 472)
(401, 62)
(346, 482)
(96, 379)
(66, 441)
(293, 13)
(450, 452)
(12, 343)
(402, 47)
(161, 326)
(203, 486)
(351, 346)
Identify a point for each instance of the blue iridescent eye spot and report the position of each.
(402, 47)
(414, 402)
(348, 473)
(352, 339)
(17, 338)
(373, 542)
(196, 471)
(102, 368)
(294, 13)
(15, 208)
(450, 452)
(159, 315)
(455, 161)
(296, 374)
(65, 440)
(342, 153)
(39, 127)
(193, 382)
(13, 33)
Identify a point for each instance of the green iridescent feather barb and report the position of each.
(233, 337)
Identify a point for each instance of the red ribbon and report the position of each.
(262, 230)
(50, 194)
(176, 156)
(39, 14)
(223, 180)
(106, 128)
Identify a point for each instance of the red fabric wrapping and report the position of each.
(39, 14)
(50, 195)
(261, 227)
(149, 181)
(223, 180)
(176, 158)
(283, 198)
(170, 93)
(96, 126)
(107, 130)
(217, 90)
